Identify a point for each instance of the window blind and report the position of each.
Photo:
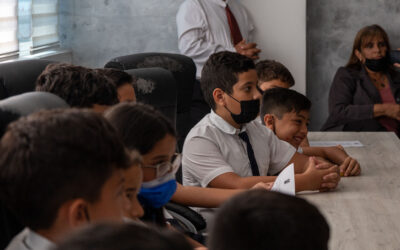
(8, 27)
(44, 23)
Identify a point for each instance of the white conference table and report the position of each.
(364, 211)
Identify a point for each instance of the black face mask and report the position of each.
(248, 111)
(377, 65)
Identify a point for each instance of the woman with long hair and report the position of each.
(365, 94)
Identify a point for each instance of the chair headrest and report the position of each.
(22, 105)
(182, 68)
(156, 87)
(20, 76)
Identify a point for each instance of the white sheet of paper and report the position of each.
(345, 144)
(284, 183)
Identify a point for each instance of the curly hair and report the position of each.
(79, 86)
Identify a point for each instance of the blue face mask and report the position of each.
(158, 192)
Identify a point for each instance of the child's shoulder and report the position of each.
(258, 128)
(204, 128)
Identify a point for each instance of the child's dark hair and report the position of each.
(124, 237)
(139, 125)
(268, 70)
(78, 86)
(118, 77)
(279, 101)
(260, 219)
(222, 71)
(48, 157)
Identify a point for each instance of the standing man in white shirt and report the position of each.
(209, 26)
(229, 149)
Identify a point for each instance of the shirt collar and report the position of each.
(223, 125)
(221, 3)
(36, 241)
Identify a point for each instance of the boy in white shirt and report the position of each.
(228, 149)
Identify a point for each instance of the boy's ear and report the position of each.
(269, 121)
(219, 98)
(78, 213)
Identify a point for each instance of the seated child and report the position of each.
(272, 74)
(228, 148)
(59, 170)
(286, 112)
(122, 237)
(123, 82)
(145, 129)
(80, 87)
(261, 220)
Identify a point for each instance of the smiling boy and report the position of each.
(228, 148)
(287, 113)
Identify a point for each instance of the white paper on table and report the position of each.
(284, 183)
(345, 144)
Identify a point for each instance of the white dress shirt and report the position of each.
(29, 240)
(203, 28)
(213, 148)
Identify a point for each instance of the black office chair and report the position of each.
(184, 71)
(20, 76)
(10, 110)
(156, 87)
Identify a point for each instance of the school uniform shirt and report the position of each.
(300, 150)
(203, 28)
(213, 148)
(29, 240)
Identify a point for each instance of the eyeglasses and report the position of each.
(167, 167)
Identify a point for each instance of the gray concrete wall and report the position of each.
(331, 28)
(99, 30)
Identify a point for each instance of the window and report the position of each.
(8, 28)
(27, 26)
(44, 23)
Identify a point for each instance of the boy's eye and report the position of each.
(247, 89)
(129, 195)
(297, 121)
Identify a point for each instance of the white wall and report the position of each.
(281, 34)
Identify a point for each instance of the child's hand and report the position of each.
(263, 185)
(322, 175)
(350, 167)
(340, 147)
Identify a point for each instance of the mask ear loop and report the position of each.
(86, 212)
(233, 99)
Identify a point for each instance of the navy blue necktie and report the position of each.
(250, 153)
